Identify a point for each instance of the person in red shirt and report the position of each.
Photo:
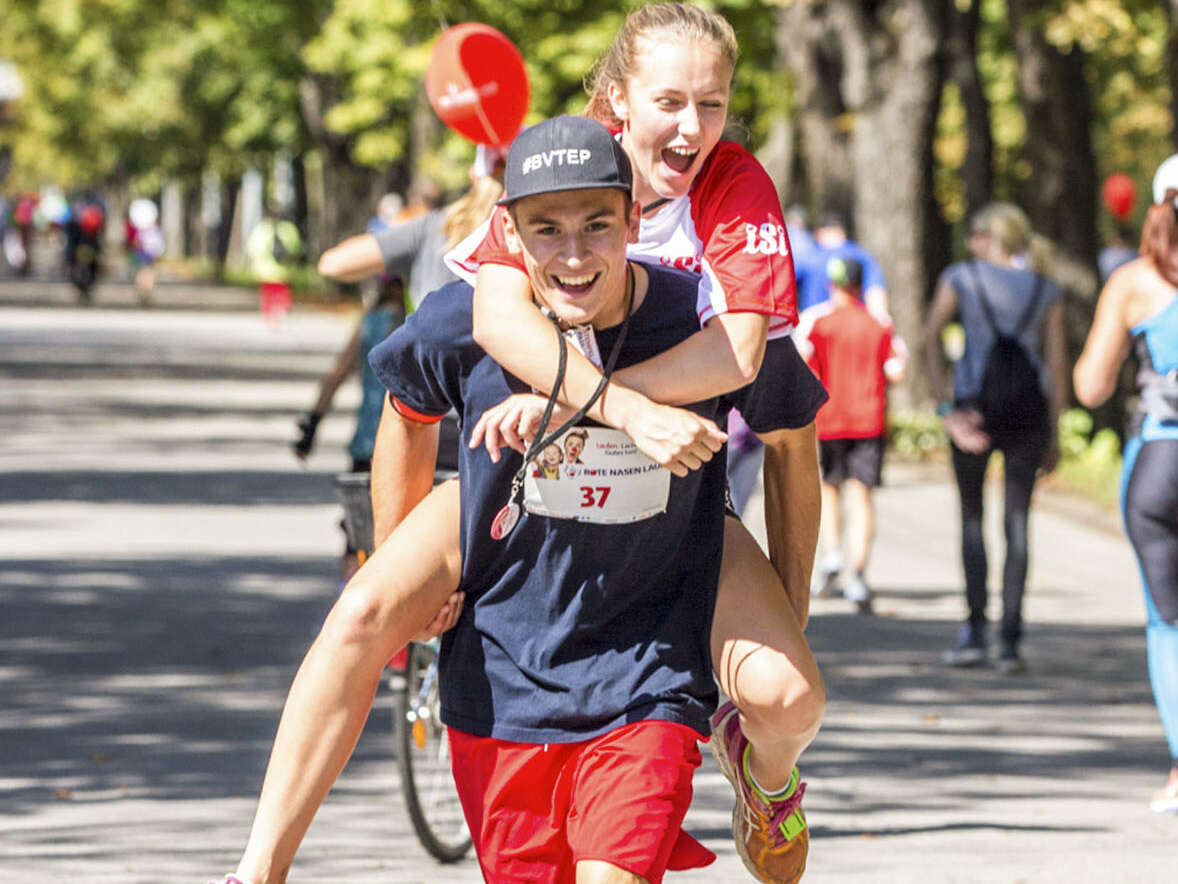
(851, 352)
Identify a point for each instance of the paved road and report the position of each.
(164, 564)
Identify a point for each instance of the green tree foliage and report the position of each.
(149, 89)
(133, 88)
(1124, 42)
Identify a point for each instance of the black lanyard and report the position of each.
(507, 517)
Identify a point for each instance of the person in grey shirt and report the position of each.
(995, 294)
(414, 248)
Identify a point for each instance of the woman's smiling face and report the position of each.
(673, 110)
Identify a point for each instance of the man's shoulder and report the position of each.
(671, 279)
(446, 313)
(671, 293)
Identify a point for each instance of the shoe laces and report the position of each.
(771, 815)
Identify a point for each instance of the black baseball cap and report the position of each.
(564, 153)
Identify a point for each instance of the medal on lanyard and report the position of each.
(507, 517)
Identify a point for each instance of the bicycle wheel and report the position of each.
(423, 759)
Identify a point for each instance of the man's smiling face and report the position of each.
(574, 248)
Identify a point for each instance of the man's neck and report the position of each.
(613, 311)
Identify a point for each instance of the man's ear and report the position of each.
(617, 101)
(634, 221)
(511, 235)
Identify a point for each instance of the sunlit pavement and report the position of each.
(164, 563)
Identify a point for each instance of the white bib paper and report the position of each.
(595, 474)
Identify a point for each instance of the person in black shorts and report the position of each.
(852, 353)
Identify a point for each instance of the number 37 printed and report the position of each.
(594, 495)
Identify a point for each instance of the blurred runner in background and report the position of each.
(852, 353)
(271, 249)
(144, 242)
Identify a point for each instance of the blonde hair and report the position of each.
(1010, 229)
(666, 20)
(470, 210)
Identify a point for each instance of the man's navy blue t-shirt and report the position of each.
(571, 629)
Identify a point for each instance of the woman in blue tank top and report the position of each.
(1138, 310)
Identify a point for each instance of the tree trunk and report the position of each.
(809, 47)
(892, 78)
(1061, 197)
(349, 191)
(425, 131)
(298, 172)
(230, 185)
(777, 155)
(1172, 70)
(191, 244)
(977, 170)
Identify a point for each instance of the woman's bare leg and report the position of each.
(763, 661)
(385, 604)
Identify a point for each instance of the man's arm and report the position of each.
(403, 460)
(793, 505)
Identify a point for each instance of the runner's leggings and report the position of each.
(1022, 460)
(1149, 502)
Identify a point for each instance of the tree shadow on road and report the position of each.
(963, 746)
(238, 488)
(151, 678)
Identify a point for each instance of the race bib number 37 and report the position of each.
(595, 474)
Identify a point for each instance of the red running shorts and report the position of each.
(536, 810)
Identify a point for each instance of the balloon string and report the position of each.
(478, 106)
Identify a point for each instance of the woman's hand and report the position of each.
(675, 438)
(514, 422)
(964, 426)
(446, 617)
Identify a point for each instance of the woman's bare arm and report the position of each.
(723, 357)
(505, 317)
(1095, 375)
(942, 310)
(354, 259)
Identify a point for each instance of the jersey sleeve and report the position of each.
(487, 244)
(747, 263)
(785, 394)
(423, 362)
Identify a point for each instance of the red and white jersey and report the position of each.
(728, 228)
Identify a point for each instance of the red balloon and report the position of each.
(1119, 195)
(477, 83)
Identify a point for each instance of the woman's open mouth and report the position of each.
(679, 159)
